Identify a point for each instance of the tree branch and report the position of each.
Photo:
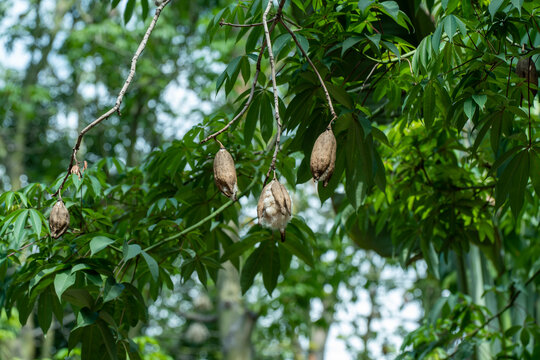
(326, 93)
(116, 107)
(274, 86)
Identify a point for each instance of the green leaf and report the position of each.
(44, 310)
(535, 171)
(393, 48)
(99, 243)
(221, 78)
(233, 66)
(245, 68)
(513, 182)
(252, 117)
(78, 297)
(130, 251)
(469, 108)
(62, 281)
(108, 340)
(266, 116)
(480, 100)
(112, 290)
(251, 268)
(436, 38)
(304, 43)
(494, 6)
(144, 4)
(520, 178)
(429, 105)
(238, 248)
(20, 223)
(341, 96)
(451, 24)
(86, 317)
(152, 265)
(35, 220)
(364, 4)
(518, 4)
(392, 8)
(115, 3)
(375, 39)
(298, 249)
(349, 42)
(128, 12)
(280, 43)
(430, 255)
(270, 266)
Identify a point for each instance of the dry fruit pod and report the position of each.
(59, 219)
(274, 208)
(526, 69)
(323, 157)
(225, 173)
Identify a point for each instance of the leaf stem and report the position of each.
(223, 23)
(211, 216)
(326, 93)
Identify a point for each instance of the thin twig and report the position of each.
(274, 88)
(326, 93)
(21, 249)
(369, 76)
(223, 23)
(462, 64)
(375, 83)
(116, 107)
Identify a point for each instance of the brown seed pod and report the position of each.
(323, 157)
(225, 173)
(526, 69)
(274, 207)
(59, 219)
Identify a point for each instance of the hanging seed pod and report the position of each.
(59, 219)
(323, 157)
(274, 207)
(526, 69)
(225, 173)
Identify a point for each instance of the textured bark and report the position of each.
(235, 322)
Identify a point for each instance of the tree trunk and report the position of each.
(235, 322)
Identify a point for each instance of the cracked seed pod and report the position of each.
(225, 173)
(526, 69)
(59, 219)
(274, 207)
(323, 157)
